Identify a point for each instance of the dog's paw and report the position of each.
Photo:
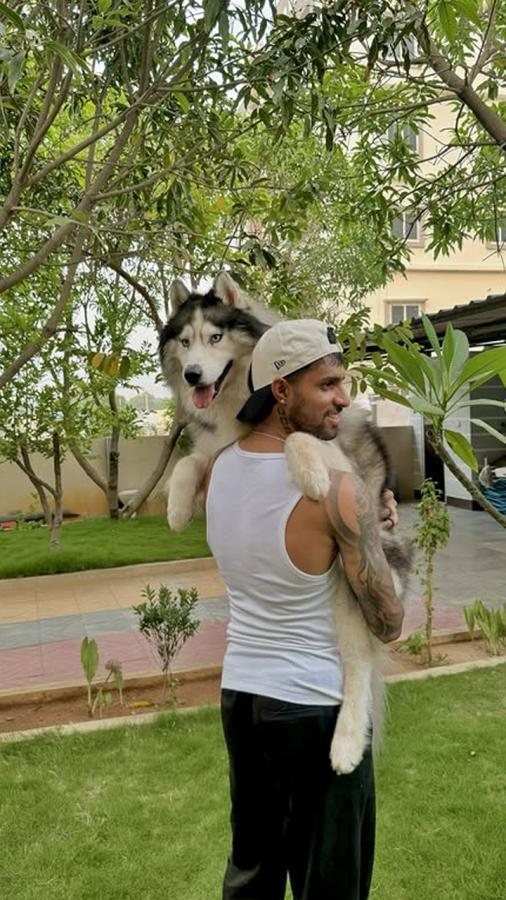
(346, 752)
(308, 470)
(178, 517)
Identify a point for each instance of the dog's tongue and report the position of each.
(202, 396)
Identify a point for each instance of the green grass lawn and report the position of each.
(97, 544)
(143, 812)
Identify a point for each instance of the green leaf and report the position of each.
(492, 362)
(447, 19)
(124, 369)
(448, 348)
(224, 29)
(182, 100)
(89, 657)
(15, 70)
(485, 402)
(461, 446)
(13, 16)
(406, 362)
(69, 57)
(423, 406)
(470, 10)
(375, 375)
(493, 431)
(212, 9)
(460, 354)
(431, 334)
(396, 398)
(432, 371)
(104, 5)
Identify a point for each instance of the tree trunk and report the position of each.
(469, 485)
(57, 517)
(429, 607)
(39, 485)
(113, 473)
(87, 467)
(487, 117)
(151, 482)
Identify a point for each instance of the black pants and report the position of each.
(291, 814)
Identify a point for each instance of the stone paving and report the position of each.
(43, 619)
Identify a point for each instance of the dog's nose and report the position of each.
(193, 374)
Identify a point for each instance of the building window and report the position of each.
(407, 133)
(499, 233)
(399, 312)
(406, 227)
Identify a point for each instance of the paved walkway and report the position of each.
(43, 619)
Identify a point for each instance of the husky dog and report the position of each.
(359, 448)
(205, 351)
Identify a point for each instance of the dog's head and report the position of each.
(205, 335)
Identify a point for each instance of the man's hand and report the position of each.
(356, 529)
(388, 513)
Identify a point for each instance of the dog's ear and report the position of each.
(229, 292)
(179, 294)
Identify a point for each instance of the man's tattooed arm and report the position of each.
(356, 528)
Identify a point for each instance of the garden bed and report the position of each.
(66, 705)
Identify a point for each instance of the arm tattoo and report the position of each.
(354, 519)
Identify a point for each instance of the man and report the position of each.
(281, 556)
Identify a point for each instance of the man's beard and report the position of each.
(321, 430)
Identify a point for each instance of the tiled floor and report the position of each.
(43, 619)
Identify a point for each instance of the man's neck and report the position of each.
(268, 436)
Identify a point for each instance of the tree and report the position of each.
(110, 113)
(102, 351)
(432, 533)
(32, 415)
(440, 387)
(370, 75)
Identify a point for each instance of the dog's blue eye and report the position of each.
(185, 342)
(215, 338)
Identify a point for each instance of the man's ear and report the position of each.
(280, 389)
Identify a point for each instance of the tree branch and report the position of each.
(27, 468)
(485, 49)
(50, 326)
(151, 482)
(137, 286)
(88, 467)
(469, 485)
(490, 120)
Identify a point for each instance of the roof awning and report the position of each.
(483, 321)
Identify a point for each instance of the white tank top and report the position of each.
(281, 638)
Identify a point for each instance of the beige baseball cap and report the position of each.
(285, 348)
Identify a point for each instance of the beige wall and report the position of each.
(435, 289)
(137, 459)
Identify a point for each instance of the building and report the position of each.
(429, 284)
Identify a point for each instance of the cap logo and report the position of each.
(331, 335)
(279, 363)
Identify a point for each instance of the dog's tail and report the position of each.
(379, 706)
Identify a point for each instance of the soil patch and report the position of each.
(65, 710)
(196, 691)
(444, 653)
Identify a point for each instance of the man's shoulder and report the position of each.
(218, 458)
